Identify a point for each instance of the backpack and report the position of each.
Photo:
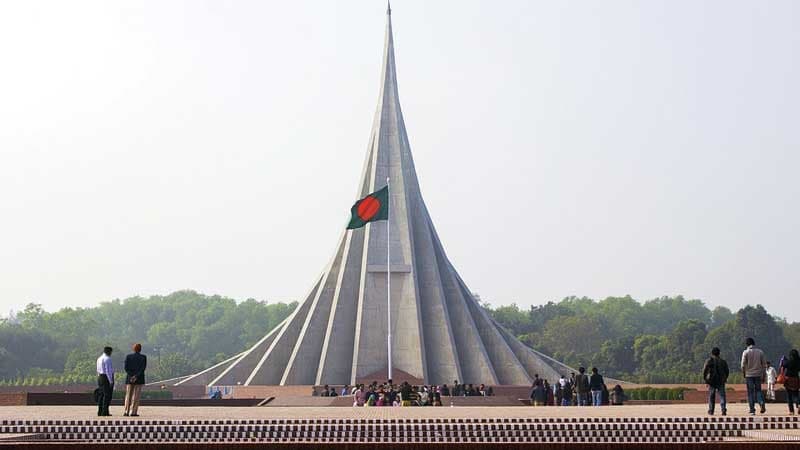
(583, 383)
(712, 375)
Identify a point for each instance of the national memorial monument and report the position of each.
(337, 333)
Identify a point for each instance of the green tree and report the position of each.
(574, 340)
(791, 331)
(666, 312)
(32, 317)
(756, 322)
(171, 365)
(617, 357)
(649, 351)
(517, 321)
(539, 315)
(720, 316)
(81, 362)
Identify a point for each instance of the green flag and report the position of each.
(373, 207)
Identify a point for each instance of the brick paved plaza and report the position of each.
(221, 413)
(460, 427)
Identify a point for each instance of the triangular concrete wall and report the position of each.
(338, 333)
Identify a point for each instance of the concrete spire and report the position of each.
(338, 332)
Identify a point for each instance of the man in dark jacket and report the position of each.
(538, 394)
(135, 364)
(582, 387)
(715, 374)
(596, 385)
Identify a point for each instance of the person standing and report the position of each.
(538, 394)
(596, 387)
(715, 374)
(566, 394)
(558, 391)
(135, 364)
(549, 392)
(574, 398)
(582, 387)
(105, 382)
(772, 377)
(790, 368)
(754, 370)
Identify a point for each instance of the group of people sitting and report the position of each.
(389, 394)
(578, 390)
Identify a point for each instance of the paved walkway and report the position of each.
(221, 413)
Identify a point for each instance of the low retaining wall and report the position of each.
(13, 398)
(83, 399)
(177, 391)
(733, 396)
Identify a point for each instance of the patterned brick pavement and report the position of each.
(211, 413)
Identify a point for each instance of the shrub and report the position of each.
(651, 393)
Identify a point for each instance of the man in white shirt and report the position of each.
(754, 366)
(772, 377)
(105, 382)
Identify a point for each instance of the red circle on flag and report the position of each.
(368, 208)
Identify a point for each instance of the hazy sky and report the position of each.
(563, 148)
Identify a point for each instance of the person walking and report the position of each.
(582, 387)
(105, 381)
(715, 374)
(135, 364)
(790, 369)
(772, 377)
(754, 367)
(596, 387)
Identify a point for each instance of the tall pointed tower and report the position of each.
(338, 332)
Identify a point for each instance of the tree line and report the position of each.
(664, 340)
(181, 333)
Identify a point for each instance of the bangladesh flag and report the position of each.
(373, 207)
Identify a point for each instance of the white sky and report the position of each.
(564, 148)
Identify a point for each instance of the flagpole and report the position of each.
(389, 277)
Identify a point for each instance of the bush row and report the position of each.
(650, 393)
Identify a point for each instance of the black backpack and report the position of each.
(712, 375)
